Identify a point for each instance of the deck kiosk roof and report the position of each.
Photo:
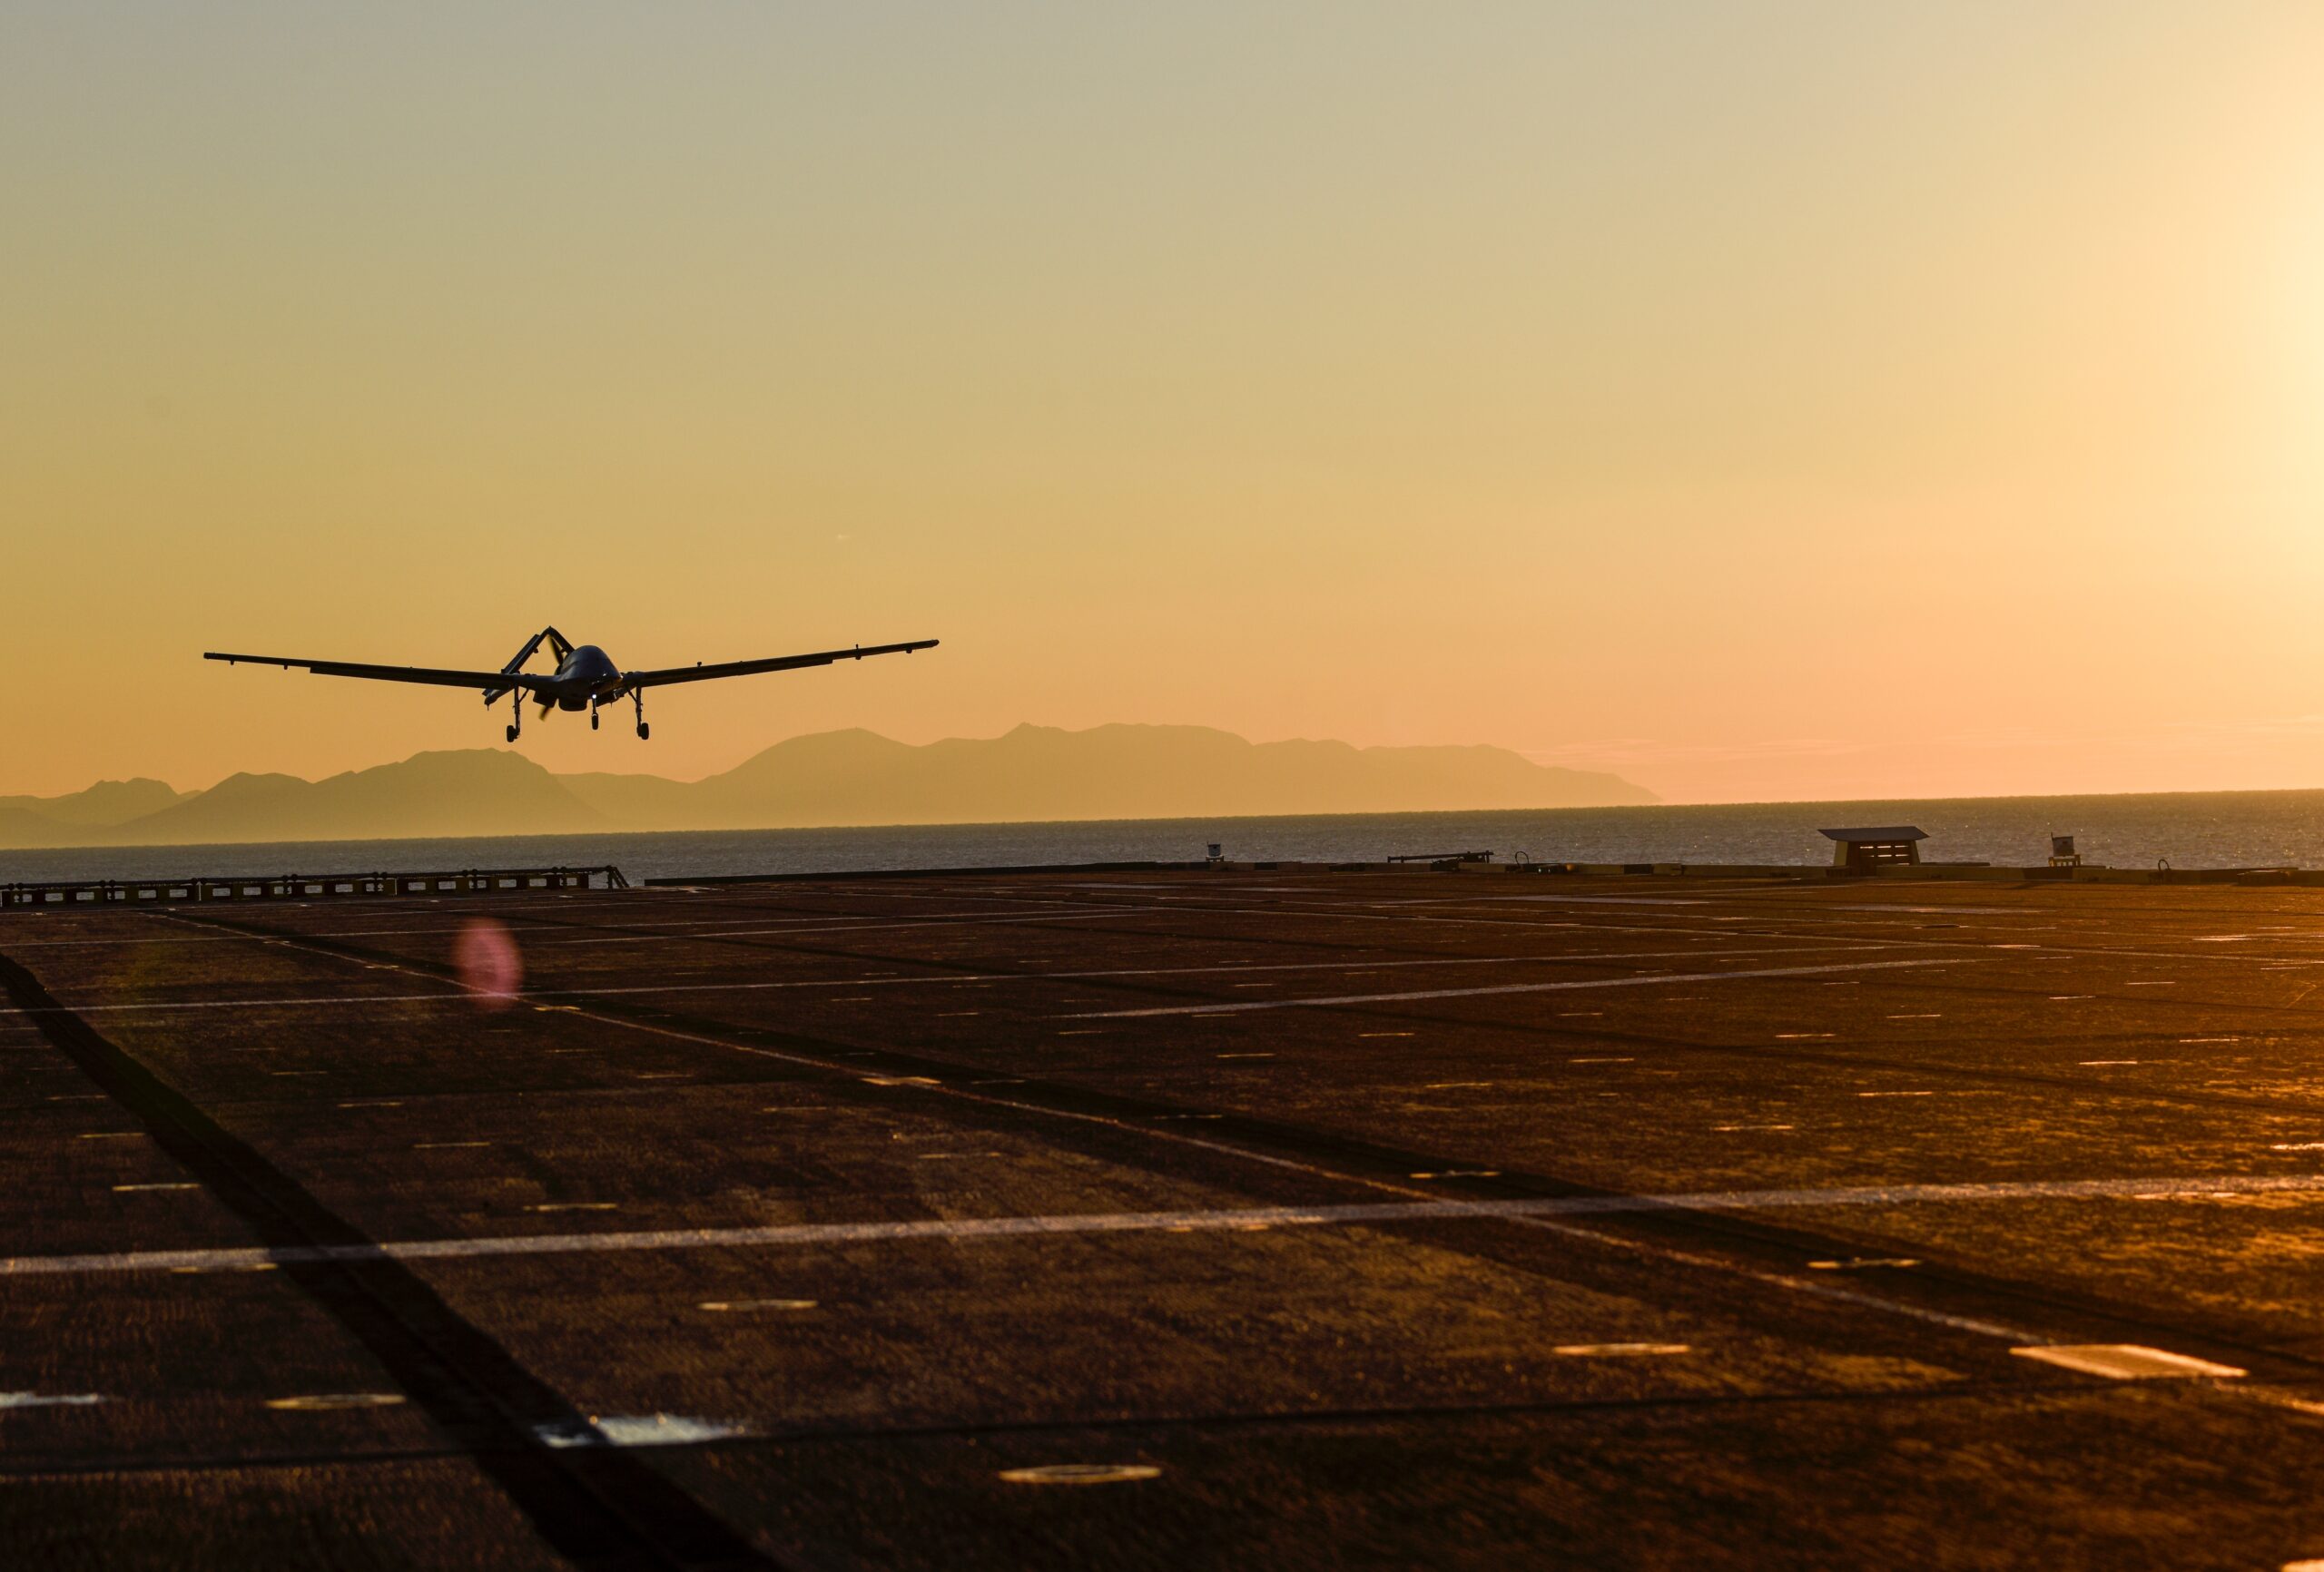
(1880, 846)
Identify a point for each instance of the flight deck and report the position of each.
(1169, 1219)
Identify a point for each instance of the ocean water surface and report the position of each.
(2190, 830)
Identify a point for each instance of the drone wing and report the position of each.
(488, 681)
(699, 674)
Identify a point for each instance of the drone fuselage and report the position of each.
(586, 673)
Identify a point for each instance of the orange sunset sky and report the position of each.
(1759, 400)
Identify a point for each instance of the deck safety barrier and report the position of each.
(85, 892)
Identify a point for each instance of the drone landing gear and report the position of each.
(593, 714)
(637, 697)
(517, 708)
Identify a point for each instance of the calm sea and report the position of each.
(2203, 829)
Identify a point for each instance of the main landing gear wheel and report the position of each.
(512, 734)
(643, 731)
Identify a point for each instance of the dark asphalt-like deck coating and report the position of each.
(790, 1225)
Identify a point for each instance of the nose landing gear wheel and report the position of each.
(593, 720)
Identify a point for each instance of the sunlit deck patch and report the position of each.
(1081, 1474)
(2126, 1361)
(1863, 1263)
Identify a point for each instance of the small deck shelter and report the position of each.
(1866, 850)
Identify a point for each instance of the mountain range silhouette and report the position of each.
(844, 778)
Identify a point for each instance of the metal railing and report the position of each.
(78, 893)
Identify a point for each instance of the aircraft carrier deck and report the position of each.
(1171, 1220)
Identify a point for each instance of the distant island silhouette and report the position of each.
(830, 778)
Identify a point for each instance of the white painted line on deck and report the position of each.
(637, 1431)
(1645, 980)
(954, 1229)
(462, 995)
(1594, 899)
(882, 925)
(51, 1400)
(723, 1305)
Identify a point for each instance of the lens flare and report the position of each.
(490, 966)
